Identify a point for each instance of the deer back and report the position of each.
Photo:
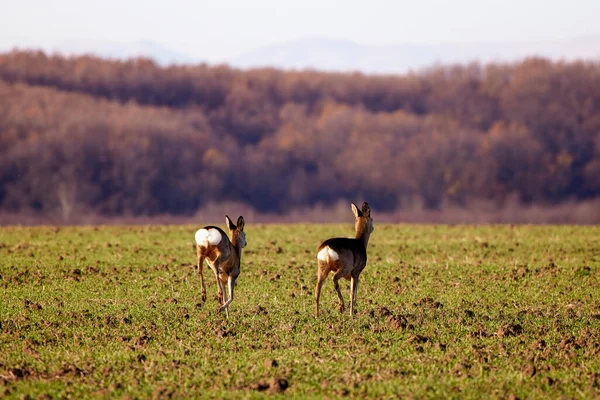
(214, 243)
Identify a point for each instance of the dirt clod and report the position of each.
(567, 342)
(529, 370)
(538, 344)
(19, 373)
(397, 321)
(441, 346)
(509, 330)
(141, 340)
(460, 369)
(418, 339)
(260, 310)
(548, 381)
(383, 312)
(480, 333)
(70, 370)
(521, 272)
(278, 385)
(223, 332)
(162, 392)
(428, 302)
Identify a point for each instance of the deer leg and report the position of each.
(221, 283)
(200, 264)
(336, 285)
(321, 276)
(230, 286)
(220, 292)
(219, 288)
(353, 292)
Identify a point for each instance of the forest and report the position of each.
(113, 138)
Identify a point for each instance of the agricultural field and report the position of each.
(443, 312)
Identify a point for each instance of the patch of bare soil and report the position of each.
(275, 385)
(259, 386)
(520, 272)
(223, 332)
(278, 385)
(538, 345)
(567, 342)
(529, 370)
(480, 333)
(509, 330)
(161, 392)
(428, 302)
(71, 370)
(380, 312)
(397, 322)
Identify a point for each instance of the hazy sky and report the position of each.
(220, 30)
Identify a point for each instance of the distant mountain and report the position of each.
(117, 50)
(343, 55)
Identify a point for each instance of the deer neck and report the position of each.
(362, 232)
(236, 245)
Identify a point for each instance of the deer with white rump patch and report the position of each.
(223, 257)
(345, 257)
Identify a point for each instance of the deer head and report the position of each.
(236, 232)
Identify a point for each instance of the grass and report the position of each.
(443, 312)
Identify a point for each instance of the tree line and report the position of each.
(84, 134)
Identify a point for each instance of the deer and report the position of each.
(345, 257)
(223, 256)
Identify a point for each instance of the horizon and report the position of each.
(223, 32)
(338, 55)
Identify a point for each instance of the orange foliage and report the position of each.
(130, 137)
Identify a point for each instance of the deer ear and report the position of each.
(230, 224)
(356, 211)
(240, 223)
(366, 210)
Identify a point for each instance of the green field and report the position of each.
(443, 312)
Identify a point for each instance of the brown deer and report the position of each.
(223, 257)
(345, 257)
